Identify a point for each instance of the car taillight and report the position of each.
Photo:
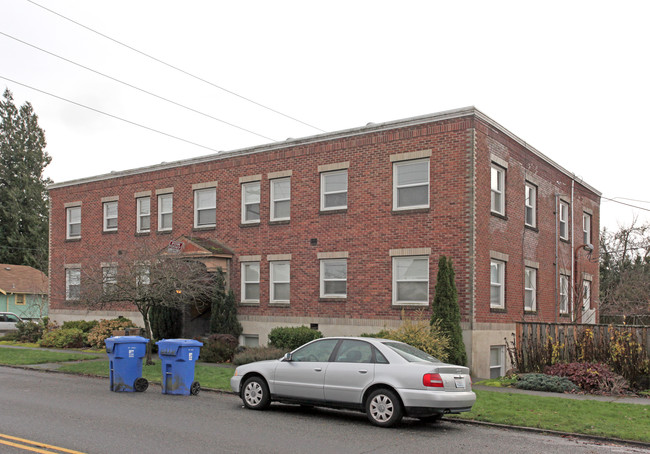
(432, 380)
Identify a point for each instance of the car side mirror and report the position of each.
(286, 357)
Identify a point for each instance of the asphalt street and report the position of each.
(81, 414)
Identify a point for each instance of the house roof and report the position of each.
(369, 128)
(22, 279)
(193, 246)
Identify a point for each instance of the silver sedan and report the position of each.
(385, 379)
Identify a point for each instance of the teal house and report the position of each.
(23, 291)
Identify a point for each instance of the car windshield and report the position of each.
(410, 353)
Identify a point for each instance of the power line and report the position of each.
(169, 65)
(109, 115)
(623, 203)
(134, 87)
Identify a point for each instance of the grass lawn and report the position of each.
(19, 344)
(607, 419)
(15, 356)
(209, 376)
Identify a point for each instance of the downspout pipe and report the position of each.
(573, 262)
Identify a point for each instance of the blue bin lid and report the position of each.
(128, 340)
(169, 347)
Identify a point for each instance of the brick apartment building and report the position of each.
(343, 231)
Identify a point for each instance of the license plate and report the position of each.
(460, 383)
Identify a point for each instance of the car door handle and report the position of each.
(363, 371)
(317, 369)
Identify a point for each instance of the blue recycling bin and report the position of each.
(125, 355)
(178, 357)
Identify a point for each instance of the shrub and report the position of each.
(29, 331)
(11, 336)
(383, 334)
(219, 348)
(63, 338)
(104, 330)
(593, 378)
(83, 325)
(549, 383)
(166, 322)
(290, 338)
(253, 354)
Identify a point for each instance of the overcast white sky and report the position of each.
(572, 78)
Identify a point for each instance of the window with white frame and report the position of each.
(564, 220)
(530, 289)
(586, 296)
(280, 272)
(411, 184)
(497, 284)
(205, 207)
(280, 199)
(250, 282)
(333, 278)
(143, 275)
(334, 190)
(586, 228)
(143, 218)
(73, 222)
(250, 202)
(497, 361)
(531, 205)
(498, 178)
(564, 294)
(109, 273)
(411, 280)
(72, 283)
(110, 216)
(165, 211)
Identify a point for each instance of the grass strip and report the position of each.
(208, 376)
(16, 357)
(590, 417)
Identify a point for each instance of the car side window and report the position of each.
(354, 351)
(380, 358)
(319, 351)
(12, 318)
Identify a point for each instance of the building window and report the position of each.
(165, 211)
(531, 205)
(110, 216)
(143, 275)
(530, 289)
(564, 221)
(564, 294)
(143, 206)
(411, 280)
(411, 184)
(333, 278)
(497, 284)
(497, 361)
(20, 299)
(205, 207)
(586, 297)
(109, 274)
(498, 178)
(250, 202)
(586, 228)
(72, 283)
(251, 340)
(73, 221)
(250, 282)
(280, 199)
(334, 190)
(280, 281)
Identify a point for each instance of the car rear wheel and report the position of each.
(255, 394)
(383, 408)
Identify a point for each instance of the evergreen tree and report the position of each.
(166, 322)
(447, 312)
(23, 194)
(223, 319)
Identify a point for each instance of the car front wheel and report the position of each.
(255, 394)
(383, 408)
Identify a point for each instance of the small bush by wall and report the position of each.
(290, 338)
(219, 348)
(63, 338)
(548, 383)
(253, 354)
(104, 330)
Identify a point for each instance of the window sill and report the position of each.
(325, 299)
(530, 227)
(410, 210)
(244, 225)
(499, 215)
(563, 314)
(72, 240)
(282, 222)
(164, 232)
(564, 240)
(207, 227)
(498, 310)
(142, 233)
(283, 304)
(336, 211)
(249, 303)
(409, 305)
(530, 312)
(109, 232)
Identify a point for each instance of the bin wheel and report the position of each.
(141, 384)
(195, 388)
